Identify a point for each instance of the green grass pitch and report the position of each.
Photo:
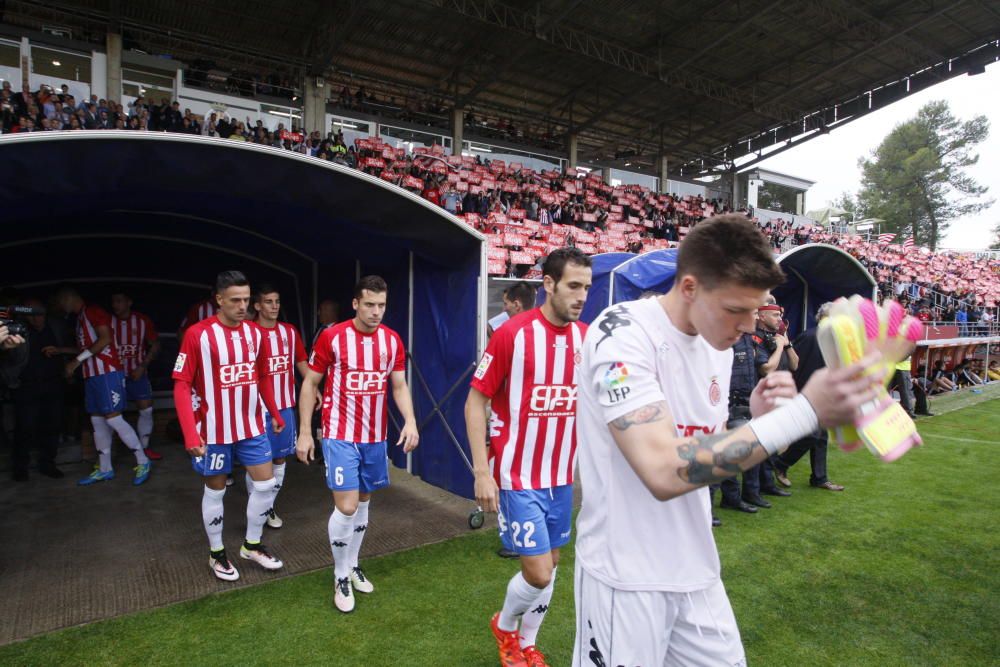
(900, 569)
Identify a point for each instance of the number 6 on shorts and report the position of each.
(338, 475)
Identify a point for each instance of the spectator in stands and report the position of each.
(993, 371)
(962, 318)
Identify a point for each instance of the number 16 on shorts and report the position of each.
(216, 461)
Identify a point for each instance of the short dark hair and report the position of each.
(227, 279)
(728, 249)
(555, 263)
(372, 284)
(523, 293)
(264, 288)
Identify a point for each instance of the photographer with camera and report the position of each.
(13, 356)
(39, 396)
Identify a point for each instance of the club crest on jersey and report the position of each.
(179, 364)
(383, 359)
(484, 365)
(714, 392)
(577, 358)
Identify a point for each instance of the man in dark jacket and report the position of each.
(810, 361)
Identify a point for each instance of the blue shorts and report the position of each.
(218, 459)
(351, 466)
(535, 522)
(138, 390)
(282, 444)
(104, 394)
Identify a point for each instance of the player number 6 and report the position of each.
(338, 475)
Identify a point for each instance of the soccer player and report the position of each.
(138, 344)
(285, 353)
(528, 376)
(196, 313)
(103, 386)
(651, 424)
(220, 392)
(360, 359)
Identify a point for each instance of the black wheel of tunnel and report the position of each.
(162, 214)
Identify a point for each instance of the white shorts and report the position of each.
(654, 628)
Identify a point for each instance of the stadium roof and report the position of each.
(704, 82)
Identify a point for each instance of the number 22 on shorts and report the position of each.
(529, 530)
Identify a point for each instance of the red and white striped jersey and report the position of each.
(284, 350)
(223, 366)
(357, 367)
(87, 321)
(198, 312)
(131, 336)
(529, 371)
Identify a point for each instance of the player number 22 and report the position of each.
(216, 461)
(529, 530)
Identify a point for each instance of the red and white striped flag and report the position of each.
(908, 243)
(886, 239)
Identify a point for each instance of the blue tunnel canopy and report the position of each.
(163, 213)
(815, 273)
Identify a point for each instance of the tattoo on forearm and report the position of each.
(644, 415)
(708, 466)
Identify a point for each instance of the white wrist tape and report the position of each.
(83, 356)
(784, 425)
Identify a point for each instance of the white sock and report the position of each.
(521, 596)
(102, 442)
(532, 619)
(358, 536)
(257, 508)
(128, 436)
(279, 478)
(340, 527)
(145, 425)
(211, 516)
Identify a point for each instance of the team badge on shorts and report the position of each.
(714, 392)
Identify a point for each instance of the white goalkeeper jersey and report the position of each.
(633, 356)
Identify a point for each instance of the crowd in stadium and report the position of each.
(527, 213)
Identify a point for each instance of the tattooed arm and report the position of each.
(670, 466)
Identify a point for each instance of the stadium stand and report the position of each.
(527, 213)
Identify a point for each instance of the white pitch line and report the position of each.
(934, 436)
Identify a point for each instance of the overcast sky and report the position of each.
(832, 160)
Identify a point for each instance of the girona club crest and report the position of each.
(577, 358)
(714, 392)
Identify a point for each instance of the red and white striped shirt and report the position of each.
(223, 366)
(529, 371)
(131, 336)
(357, 367)
(284, 351)
(198, 312)
(106, 360)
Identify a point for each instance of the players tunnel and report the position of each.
(817, 273)
(163, 213)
